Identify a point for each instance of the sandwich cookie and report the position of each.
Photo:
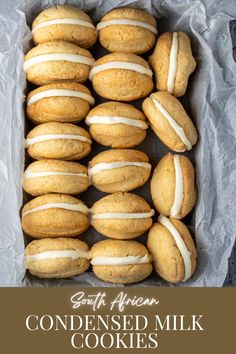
(65, 23)
(55, 176)
(118, 125)
(172, 249)
(173, 62)
(173, 187)
(127, 30)
(121, 77)
(58, 141)
(59, 102)
(119, 170)
(55, 61)
(57, 258)
(120, 262)
(170, 122)
(121, 216)
(55, 215)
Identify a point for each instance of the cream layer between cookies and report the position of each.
(112, 165)
(179, 188)
(74, 58)
(119, 261)
(31, 174)
(73, 254)
(46, 137)
(117, 22)
(172, 63)
(67, 206)
(186, 255)
(177, 128)
(123, 65)
(63, 21)
(116, 120)
(59, 93)
(103, 216)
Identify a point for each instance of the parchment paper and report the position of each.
(210, 100)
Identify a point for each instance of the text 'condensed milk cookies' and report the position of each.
(55, 61)
(127, 30)
(55, 215)
(173, 187)
(59, 102)
(55, 176)
(58, 141)
(172, 249)
(65, 23)
(173, 62)
(118, 170)
(57, 258)
(121, 216)
(118, 125)
(170, 122)
(120, 262)
(121, 77)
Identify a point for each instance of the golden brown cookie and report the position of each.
(57, 258)
(173, 187)
(127, 30)
(173, 62)
(116, 124)
(58, 141)
(122, 216)
(59, 102)
(172, 249)
(64, 23)
(55, 215)
(120, 262)
(170, 122)
(121, 77)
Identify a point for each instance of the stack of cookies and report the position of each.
(60, 64)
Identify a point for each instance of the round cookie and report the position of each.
(173, 62)
(120, 262)
(55, 176)
(55, 215)
(65, 23)
(59, 102)
(116, 124)
(170, 122)
(55, 61)
(127, 30)
(173, 187)
(58, 141)
(119, 170)
(121, 77)
(57, 258)
(121, 216)
(172, 249)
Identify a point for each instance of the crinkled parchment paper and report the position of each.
(211, 99)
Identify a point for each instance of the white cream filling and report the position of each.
(59, 93)
(30, 174)
(119, 261)
(124, 65)
(74, 58)
(177, 128)
(127, 22)
(179, 188)
(102, 216)
(113, 165)
(73, 254)
(46, 137)
(63, 21)
(82, 208)
(186, 255)
(172, 63)
(116, 120)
